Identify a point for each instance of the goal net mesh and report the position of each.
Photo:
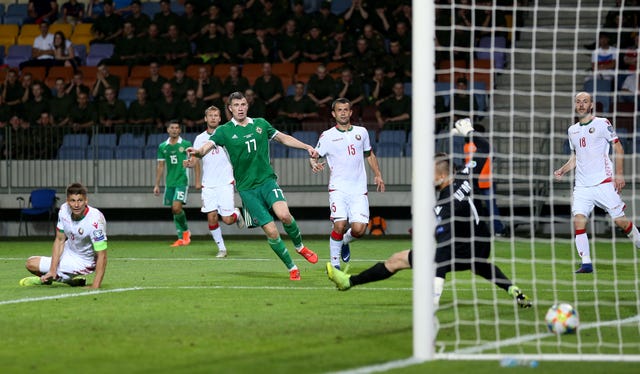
(521, 68)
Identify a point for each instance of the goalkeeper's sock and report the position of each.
(347, 238)
(277, 245)
(582, 246)
(633, 234)
(216, 234)
(293, 231)
(180, 221)
(335, 246)
(438, 286)
(375, 273)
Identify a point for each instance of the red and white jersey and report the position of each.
(216, 167)
(85, 236)
(344, 151)
(591, 142)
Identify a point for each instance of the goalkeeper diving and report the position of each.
(462, 233)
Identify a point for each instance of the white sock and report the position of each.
(217, 237)
(582, 246)
(347, 238)
(438, 286)
(334, 251)
(634, 235)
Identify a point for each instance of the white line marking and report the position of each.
(67, 295)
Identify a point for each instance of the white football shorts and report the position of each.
(70, 265)
(344, 206)
(218, 198)
(603, 195)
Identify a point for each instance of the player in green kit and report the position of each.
(247, 143)
(172, 152)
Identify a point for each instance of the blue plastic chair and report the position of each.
(389, 149)
(392, 136)
(17, 54)
(278, 150)
(128, 152)
(67, 152)
(130, 139)
(75, 140)
(41, 201)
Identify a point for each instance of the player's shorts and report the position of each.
(172, 194)
(465, 252)
(344, 206)
(70, 265)
(603, 195)
(218, 198)
(259, 200)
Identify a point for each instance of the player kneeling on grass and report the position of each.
(469, 249)
(79, 248)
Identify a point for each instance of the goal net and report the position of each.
(520, 68)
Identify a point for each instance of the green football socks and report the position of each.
(180, 220)
(293, 231)
(281, 250)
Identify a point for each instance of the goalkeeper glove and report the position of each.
(463, 126)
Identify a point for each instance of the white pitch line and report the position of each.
(67, 295)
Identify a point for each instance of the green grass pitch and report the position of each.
(181, 310)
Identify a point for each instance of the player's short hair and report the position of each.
(212, 108)
(340, 100)
(236, 96)
(171, 122)
(76, 188)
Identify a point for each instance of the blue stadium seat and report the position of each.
(408, 150)
(600, 89)
(75, 140)
(100, 153)
(190, 136)
(100, 140)
(98, 52)
(373, 137)
(66, 152)
(278, 150)
(127, 152)
(151, 152)
(17, 54)
(298, 153)
(130, 139)
(81, 52)
(15, 13)
(128, 94)
(150, 8)
(156, 139)
(340, 6)
(309, 137)
(394, 136)
(177, 8)
(389, 149)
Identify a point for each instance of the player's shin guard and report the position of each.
(335, 245)
(633, 234)
(293, 231)
(277, 245)
(582, 246)
(180, 220)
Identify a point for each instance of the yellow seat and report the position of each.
(8, 32)
(81, 39)
(64, 27)
(25, 39)
(29, 29)
(82, 29)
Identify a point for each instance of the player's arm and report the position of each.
(292, 142)
(56, 253)
(619, 160)
(159, 173)
(198, 173)
(200, 152)
(372, 160)
(316, 165)
(567, 167)
(101, 267)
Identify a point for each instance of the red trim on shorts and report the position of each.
(336, 236)
(616, 141)
(214, 226)
(629, 228)
(580, 232)
(608, 180)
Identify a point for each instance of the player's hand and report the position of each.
(464, 126)
(312, 152)
(156, 190)
(47, 277)
(619, 183)
(189, 163)
(558, 174)
(316, 166)
(379, 184)
(191, 151)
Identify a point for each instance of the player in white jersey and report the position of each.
(598, 181)
(79, 248)
(217, 183)
(345, 147)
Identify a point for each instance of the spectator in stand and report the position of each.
(76, 86)
(375, 41)
(462, 32)
(489, 20)
(42, 11)
(300, 17)
(234, 82)
(403, 13)
(153, 84)
(165, 18)
(271, 18)
(21, 139)
(42, 52)
(268, 87)
(379, 18)
(363, 60)
(612, 24)
(152, 46)
(141, 113)
(208, 45)
(190, 22)
(108, 26)
(47, 138)
(233, 48)
(295, 109)
(95, 8)
(127, 47)
(356, 16)
(403, 35)
(321, 89)
(351, 89)
(289, 43)
(60, 104)
(259, 46)
(214, 15)
(315, 47)
(604, 59)
(630, 88)
(72, 12)
(82, 115)
(631, 56)
(191, 110)
(208, 88)
(326, 20)
(381, 86)
(104, 80)
(63, 52)
(181, 83)
(177, 49)
(36, 105)
(140, 21)
(397, 64)
(462, 103)
(12, 92)
(394, 112)
(341, 46)
(257, 108)
(243, 24)
(112, 113)
(167, 108)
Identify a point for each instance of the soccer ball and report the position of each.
(562, 319)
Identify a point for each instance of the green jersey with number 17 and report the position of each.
(248, 149)
(173, 155)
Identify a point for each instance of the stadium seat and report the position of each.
(600, 89)
(393, 136)
(55, 72)
(190, 136)
(131, 139)
(221, 71)
(192, 70)
(389, 149)
(41, 201)
(408, 88)
(8, 34)
(177, 8)
(100, 153)
(297, 153)
(278, 150)
(309, 137)
(17, 54)
(65, 28)
(153, 140)
(340, 6)
(127, 94)
(120, 71)
(127, 152)
(285, 71)
(37, 72)
(66, 152)
(98, 52)
(104, 140)
(306, 70)
(151, 152)
(150, 8)
(75, 140)
(252, 72)
(445, 70)
(15, 13)
(408, 150)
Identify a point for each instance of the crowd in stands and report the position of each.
(291, 62)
